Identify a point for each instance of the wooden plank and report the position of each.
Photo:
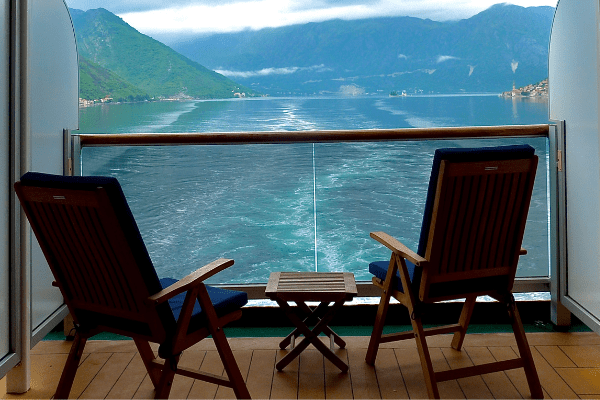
(130, 380)
(583, 356)
(243, 359)
(549, 378)
(113, 346)
(45, 373)
(410, 366)
(183, 384)
(473, 387)
(582, 380)
(213, 365)
(448, 389)
(145, 390)
(260, 375)
(555, 356)
(364, 379)
(497, 382)
(87, 371)
(311, 382)
(285, 383)
(108, 376)
(338, 385)
(551, 382)
(56, 347)
(389, 376)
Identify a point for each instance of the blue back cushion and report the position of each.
(477, 154)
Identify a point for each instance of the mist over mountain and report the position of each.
(488, 52)
(118, 61)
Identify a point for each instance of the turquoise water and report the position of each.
(295, 206)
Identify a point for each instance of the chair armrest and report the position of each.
(522, 252)
(193, 279)
(397, 247)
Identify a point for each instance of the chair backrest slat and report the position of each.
(90, 241)
(100, 245)
(43, 213)
(477, 223)
(95, 284)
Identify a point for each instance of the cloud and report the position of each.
(471, 69)
(404, 56)
(211, 16)
(514, 65)
(441, 59)
(128, 6)
(271, 71)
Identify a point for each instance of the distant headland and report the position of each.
(539, 89)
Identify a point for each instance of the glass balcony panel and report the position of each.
(259, 204)
(365, 187)
(194, 204)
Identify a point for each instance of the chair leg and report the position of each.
(166, 378)
(375, 340)
(426, 364)
(233, 372)
(68, 375)
(231, 367)
(531, 374)
(148, 357)
(465, 318)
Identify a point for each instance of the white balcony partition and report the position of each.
(54, 102)
(574, 71)
(5, 192)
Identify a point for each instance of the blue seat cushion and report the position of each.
(224, 301)
(380, 268)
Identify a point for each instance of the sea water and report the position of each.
(295, 207)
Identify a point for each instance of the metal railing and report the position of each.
(76, 142)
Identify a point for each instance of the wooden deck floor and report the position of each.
(568, 365)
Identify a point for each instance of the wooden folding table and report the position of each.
(322, 287)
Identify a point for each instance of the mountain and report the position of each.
(96, 82)
(106, 40)
(488, 52)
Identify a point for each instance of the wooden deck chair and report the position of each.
(102, 268)
(470, 243)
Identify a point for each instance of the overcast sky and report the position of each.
(165, 17)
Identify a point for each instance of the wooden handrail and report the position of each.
(369, 135)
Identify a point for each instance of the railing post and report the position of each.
(67, 153)
(75, 155)
(560, 316)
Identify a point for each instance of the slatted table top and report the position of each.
(311, 286)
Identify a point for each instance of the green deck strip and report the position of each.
(237, 332)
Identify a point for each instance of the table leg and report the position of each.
(309, 315)
(333, 337)
(311, 336)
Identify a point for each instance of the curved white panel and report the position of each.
(53, 82)
(573, 79)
